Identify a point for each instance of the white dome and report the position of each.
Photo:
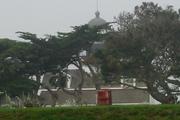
(97, 21)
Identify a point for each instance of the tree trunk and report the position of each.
(95, 77)
(38, 80)
(162, 98)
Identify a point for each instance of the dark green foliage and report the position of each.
(53, 53)
(145, 48)
(19, 86)
(142, 112)
(13, 81)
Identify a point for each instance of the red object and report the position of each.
(104, 97)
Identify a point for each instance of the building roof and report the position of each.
(97, 21)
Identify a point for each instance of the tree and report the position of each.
(54, 53)
(80, 39)
(145, 47)
(12, 79)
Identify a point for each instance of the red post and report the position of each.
(104, 97)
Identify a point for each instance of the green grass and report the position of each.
(133, 112)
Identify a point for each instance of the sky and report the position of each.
(51, 16)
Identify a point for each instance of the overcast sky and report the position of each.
(50, 16)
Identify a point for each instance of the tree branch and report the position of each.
(175, 82)
(131, 86)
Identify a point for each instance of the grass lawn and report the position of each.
(129, 112)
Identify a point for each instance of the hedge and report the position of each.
(133, 112)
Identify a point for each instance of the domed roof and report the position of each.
(97, 21)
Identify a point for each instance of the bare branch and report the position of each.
(131, 86)
(175, 82)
